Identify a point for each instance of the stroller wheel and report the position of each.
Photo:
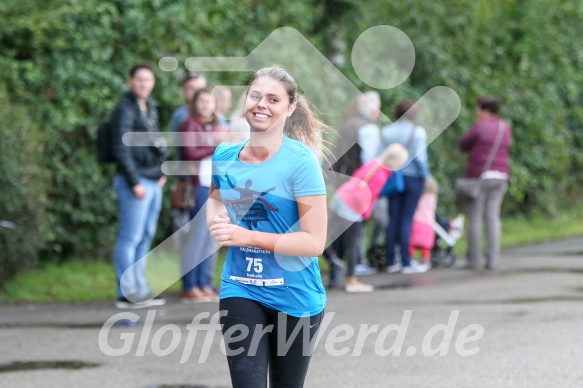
(437, 258)
(376, 256)
(448, 259)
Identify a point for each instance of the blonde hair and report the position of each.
(302, 125)
(393, 157)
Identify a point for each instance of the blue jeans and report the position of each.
(199, 253)
(138, 219)
(401, 210)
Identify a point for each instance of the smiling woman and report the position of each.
(268, 205)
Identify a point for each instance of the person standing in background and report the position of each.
(402, 206)
(138, 183)
(487, 143)
(223, 98)
(359, 137)
(191, 83)
(199, 252)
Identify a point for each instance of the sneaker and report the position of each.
(125, 304)
(358, 288)
(155, 300)
(415, 267)
(395, 268)
(141, 303)
(363, 270)
(336, 267)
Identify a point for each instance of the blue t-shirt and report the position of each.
(262, 197)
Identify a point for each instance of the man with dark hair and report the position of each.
(190, 85)
(138, 184)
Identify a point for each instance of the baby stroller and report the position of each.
(442, 253)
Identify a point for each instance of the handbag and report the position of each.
(183, 194)
(469, 188)
(396, 183)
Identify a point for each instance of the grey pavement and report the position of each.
(519, 326)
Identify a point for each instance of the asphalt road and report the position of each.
(519, 326)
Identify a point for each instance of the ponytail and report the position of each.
(305, 127)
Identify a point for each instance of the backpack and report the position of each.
(105, 143)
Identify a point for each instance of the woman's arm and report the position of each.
(468, 140)
(310, 241)
(216, 212)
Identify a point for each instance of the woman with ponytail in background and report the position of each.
(268, 205)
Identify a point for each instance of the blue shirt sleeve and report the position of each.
(309, 177)
(216, 159)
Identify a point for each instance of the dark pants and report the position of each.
(257, 344)
(401, 210)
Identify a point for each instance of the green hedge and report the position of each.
(528, 53)
(24, 184)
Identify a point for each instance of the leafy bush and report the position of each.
(528, 54)
(23, 197)
(67, 62)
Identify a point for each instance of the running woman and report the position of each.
(267, 203)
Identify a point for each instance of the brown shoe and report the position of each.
(195, 295)
(209, 293)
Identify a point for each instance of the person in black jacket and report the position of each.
(138, 184)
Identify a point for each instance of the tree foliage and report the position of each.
(24, 182)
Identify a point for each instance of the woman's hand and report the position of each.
(220, 218)
(227, 234)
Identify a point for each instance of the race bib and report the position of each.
(255, 266)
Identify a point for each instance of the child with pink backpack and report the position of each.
(352, 204)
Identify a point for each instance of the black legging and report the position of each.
(250, 356)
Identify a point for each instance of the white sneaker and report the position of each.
(358, 288)
(363, 269)
(395, 268)
(415, 268)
